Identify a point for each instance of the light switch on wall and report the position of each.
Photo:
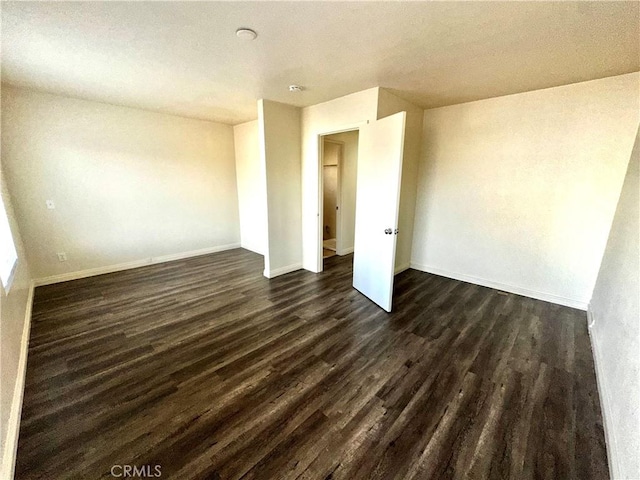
(50, 204)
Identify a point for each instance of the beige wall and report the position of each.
(279, 132)
(128, 185)
(388, 104)
(252, 184)
(330, 201)
(330, 164)
(14, 325)
(325, 118)
(615, 331)
(518, 192)
(349, 173)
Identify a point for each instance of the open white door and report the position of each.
(380, 150)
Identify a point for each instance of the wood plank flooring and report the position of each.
(210, 371)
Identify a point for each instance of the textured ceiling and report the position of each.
(184, 58)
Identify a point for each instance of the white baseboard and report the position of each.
(590, 318)
(91, 272)
(276, 272)
(194, 253)
(13, 428)
(345, 251)
(525, 292)
(605, 403)
(402, 268)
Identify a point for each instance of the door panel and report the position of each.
(380, 151)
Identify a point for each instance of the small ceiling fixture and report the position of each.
(295, 88)
(246, 34)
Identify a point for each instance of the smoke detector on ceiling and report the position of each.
(295, 88)
(246, 34)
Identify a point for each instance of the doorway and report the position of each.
(378, 179)
(338, 187)
(331, 162)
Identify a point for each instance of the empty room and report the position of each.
(320, 240)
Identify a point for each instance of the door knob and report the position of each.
(388, 231)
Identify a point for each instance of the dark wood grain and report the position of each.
(204, 367)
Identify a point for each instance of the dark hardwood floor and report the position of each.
(208, 370)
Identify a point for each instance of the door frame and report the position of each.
(320, 198)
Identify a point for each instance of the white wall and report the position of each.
(129, 185)
(15, 309)
(348, 172)
(518, 192)
(251, 181)
(279, 132)
(388, 104)
(615, 332)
